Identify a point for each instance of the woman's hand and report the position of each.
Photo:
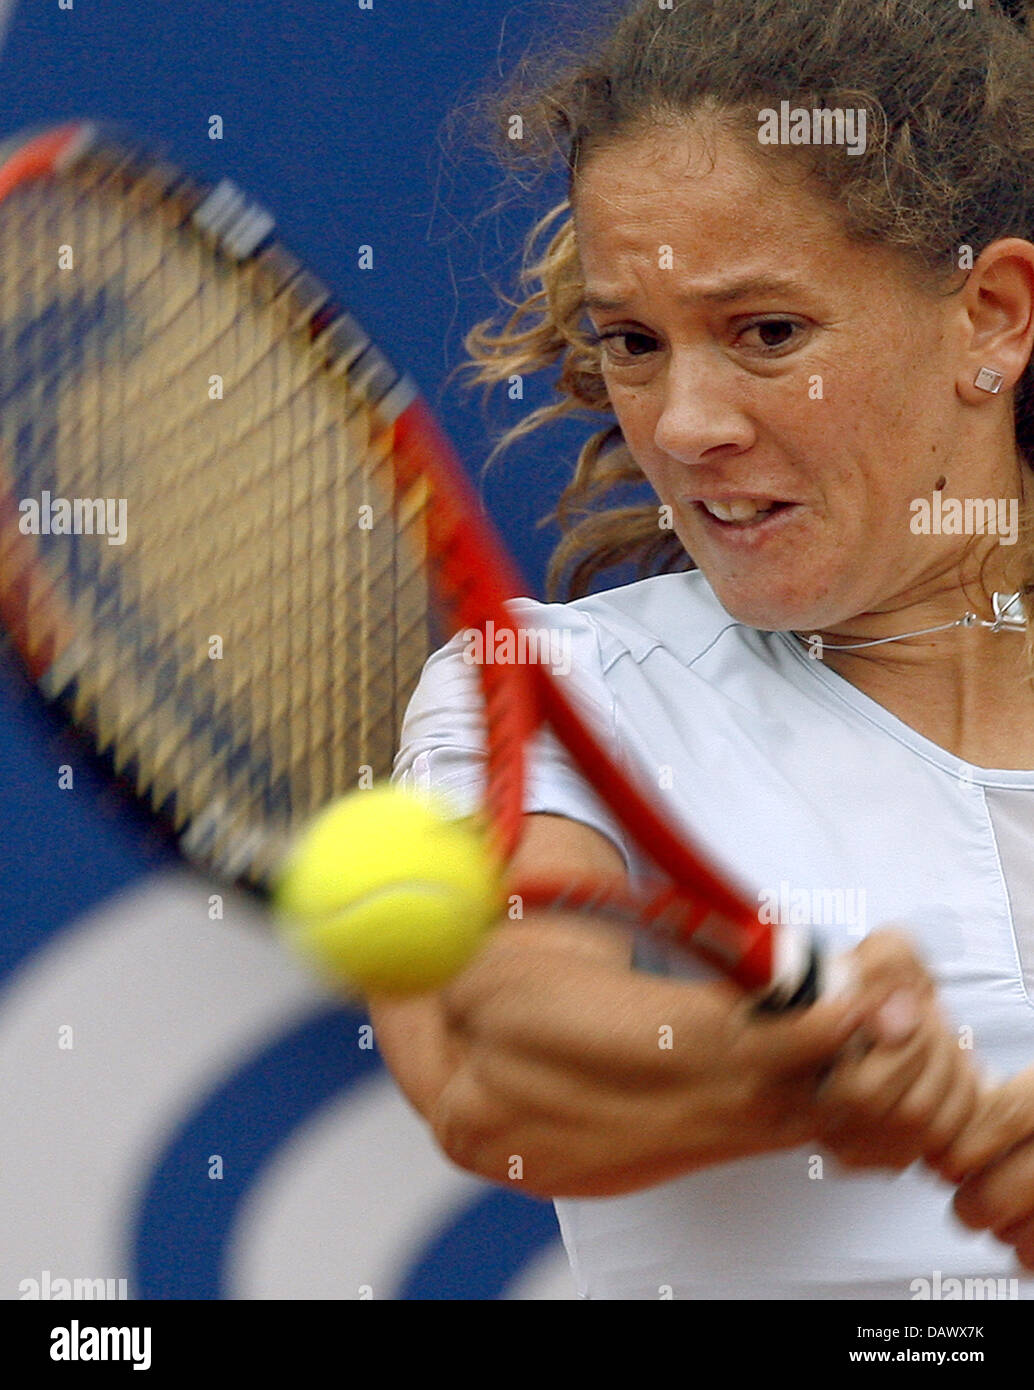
(552, 1058)
(604, 1080)
(908, 1090)
(551, 1050)
(992, 1161)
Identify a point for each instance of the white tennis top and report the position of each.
(812, 794)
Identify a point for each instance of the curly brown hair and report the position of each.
(949, 98)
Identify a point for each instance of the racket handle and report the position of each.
(802, 973)
(797, 974)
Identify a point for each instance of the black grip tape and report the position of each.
(807, 991)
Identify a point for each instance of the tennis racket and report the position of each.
(231, 533)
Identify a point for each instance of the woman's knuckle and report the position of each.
(914, 1114)
(970, 1207)
(462, 1125)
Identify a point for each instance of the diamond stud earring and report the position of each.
(989, 380)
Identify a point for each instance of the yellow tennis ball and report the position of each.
(387, 894)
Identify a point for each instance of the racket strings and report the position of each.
(254, 640)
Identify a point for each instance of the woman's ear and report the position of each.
(998, 303)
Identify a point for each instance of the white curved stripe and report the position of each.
(350, 1201)
(163, 1003)
(346, 1202)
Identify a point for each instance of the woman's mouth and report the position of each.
(745, 516)
(742, 510)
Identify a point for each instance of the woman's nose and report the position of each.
(699, 413)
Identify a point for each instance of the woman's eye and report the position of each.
(622, 344)
(774, 333)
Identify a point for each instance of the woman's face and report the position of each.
(753, 353)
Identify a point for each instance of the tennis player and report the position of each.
(795, 276)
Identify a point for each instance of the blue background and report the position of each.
(336, 119)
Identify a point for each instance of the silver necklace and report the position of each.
(1008, 617)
